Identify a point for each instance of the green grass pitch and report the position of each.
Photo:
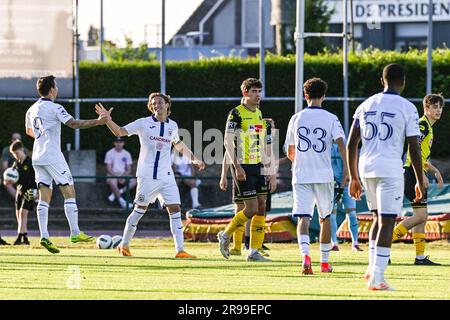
(85, 272)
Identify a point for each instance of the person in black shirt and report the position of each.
(26, 189)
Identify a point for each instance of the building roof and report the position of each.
(192, 23)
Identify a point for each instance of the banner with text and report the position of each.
(392, 10)
(36, 39)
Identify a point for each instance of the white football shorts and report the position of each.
(306, 196)
(384, 194)
(58, 172)
(165, 190)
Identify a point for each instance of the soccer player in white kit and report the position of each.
(43, 123)
(155, 178)
(381, 123)
(309, 139)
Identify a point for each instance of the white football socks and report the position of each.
(176, 227)
(42, 215)
(131, 225)
(325, 249)
(71, 210)
(382, 255)
(372, 245)
(303, 243)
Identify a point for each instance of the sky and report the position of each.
(131, 17)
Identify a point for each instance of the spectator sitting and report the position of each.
(183, 167)
(118, 163)
(8, 160)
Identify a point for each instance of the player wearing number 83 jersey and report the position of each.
(312, 131)
(309, 138)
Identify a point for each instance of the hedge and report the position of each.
(221, 77)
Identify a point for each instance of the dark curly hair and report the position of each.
(315, 88)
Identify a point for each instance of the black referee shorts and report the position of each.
(410, 192)
(22, 203)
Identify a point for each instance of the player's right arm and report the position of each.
(117, 130)
(223, 184)
(290, 140)
(28, 128)
(341, 146)
(355, 188)
(232, 128)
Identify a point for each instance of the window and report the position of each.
(411, 35)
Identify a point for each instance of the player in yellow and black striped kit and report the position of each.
(248, 147)
(432, 105)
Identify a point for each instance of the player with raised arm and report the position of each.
(43, 123)
(432, 106)
(382, 123)
(309, 138)
(155, 178)
(248, 146)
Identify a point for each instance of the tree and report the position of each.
(128, 53)
(317, 17)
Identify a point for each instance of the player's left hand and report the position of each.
(355, 189)
(272, 181)
(199, 164)
(440, 180)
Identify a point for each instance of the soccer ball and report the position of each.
(11, 174)
(116, 240)
(104, 242)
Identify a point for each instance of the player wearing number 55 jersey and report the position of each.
(382, 123)
(309, 138)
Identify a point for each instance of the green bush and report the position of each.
(221, 77)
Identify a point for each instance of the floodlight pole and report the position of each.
(262, 53)
(77, 76)
(345, 66)
(300, 50)
(163, 49)
(430, 48)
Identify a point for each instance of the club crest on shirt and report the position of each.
(170, 132)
